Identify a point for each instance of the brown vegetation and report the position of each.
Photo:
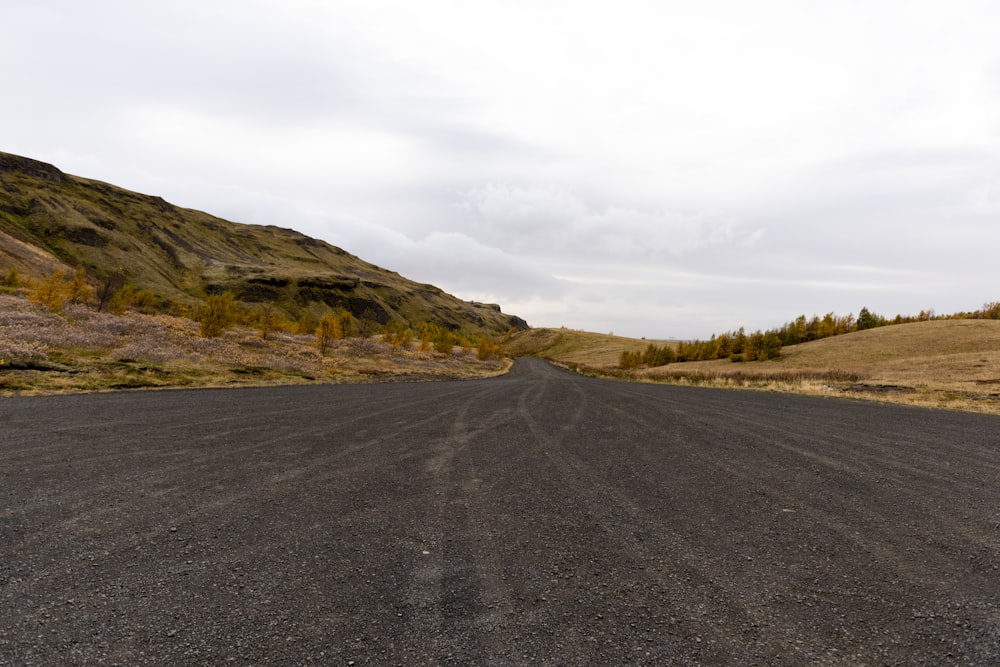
(79, 348)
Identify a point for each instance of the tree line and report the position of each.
(760, 345)
(733, 345)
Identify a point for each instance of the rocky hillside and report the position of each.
(52, 221)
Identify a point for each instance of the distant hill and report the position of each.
(571, 346)
(53, 221)
(951, 363)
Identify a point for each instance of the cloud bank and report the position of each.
(656, 169)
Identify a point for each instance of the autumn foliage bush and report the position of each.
(218, 312)
(327, 331)
(487, 348)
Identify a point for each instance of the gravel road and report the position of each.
(537, 518)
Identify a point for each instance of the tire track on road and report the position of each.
(454, 578)
(649, 552)
(566, 520)
(864, 534)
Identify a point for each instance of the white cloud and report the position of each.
(453, 261)
(678, 166)
(540, 221)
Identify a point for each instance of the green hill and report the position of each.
(53, 221)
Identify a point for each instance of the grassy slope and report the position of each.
(570, 346)
(80, 349)
(52, 220)
(946, 363)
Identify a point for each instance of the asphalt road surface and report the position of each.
(537, 518)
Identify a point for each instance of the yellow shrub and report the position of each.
(53, 292)
(327, 331)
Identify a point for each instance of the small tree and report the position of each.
(657, 356)
(217, 313)
(487, 348)
(629, 360)
(398, 335)
(867, 320)
(327, 331)
(367, 323)
(429, 333)
(306, 323)
(122, 299)
(444, 341)
(753, 345)
(79, 290)
(108, 285)
(347, 324)
(52, 292)
(267, 319)
(770, 347)
(739, 341)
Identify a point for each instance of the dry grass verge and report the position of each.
(81, 349)
(952, 364)
(969, 395)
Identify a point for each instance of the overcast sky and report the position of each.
(661, 168)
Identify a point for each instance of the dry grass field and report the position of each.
(941, 363)
(569, 346)
(81, 349)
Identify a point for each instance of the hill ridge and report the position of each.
(29, 166)
(50, 220)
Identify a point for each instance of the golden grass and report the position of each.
(570, 346)
(943, 363)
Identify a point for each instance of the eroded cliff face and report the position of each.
(50, 221)
(29, 167)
